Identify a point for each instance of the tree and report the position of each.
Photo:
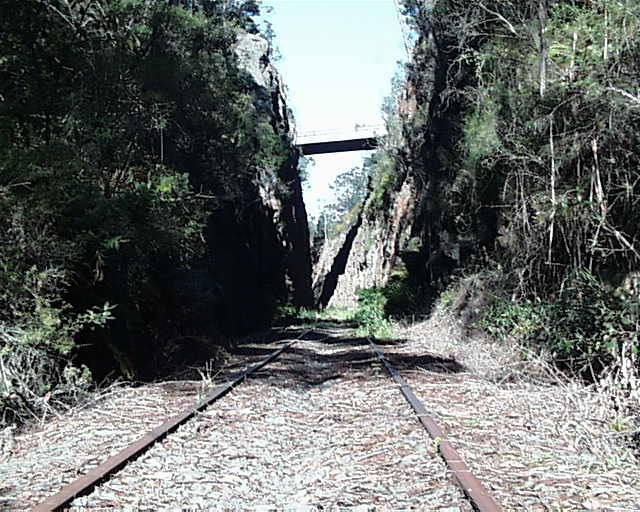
(127, 131)
(350, 190)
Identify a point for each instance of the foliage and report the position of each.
(584, 328)
(303, 169)
(569, 184)
(480, 137)
(405, 296)
(35, 378)
(514, 319)
(370, 315)
(525, 148)
(126, 131)
(383, 169)
(349, 189)
(293, 315)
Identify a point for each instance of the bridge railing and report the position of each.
(360, 131)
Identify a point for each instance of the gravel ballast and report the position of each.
(324, 428)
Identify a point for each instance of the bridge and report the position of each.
(360, 138)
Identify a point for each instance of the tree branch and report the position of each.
(501, 18)
(626, 94)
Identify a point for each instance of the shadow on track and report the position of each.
(326, 351)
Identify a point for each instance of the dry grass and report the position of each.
(325, 427)
(541, 440)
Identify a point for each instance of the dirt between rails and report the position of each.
(324, 428)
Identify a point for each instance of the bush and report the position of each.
(37, 373)
(406, 297)
(506, 318)
(370, 315)
(585, 329)
(589, 324)
(509, 167)
(120, 151)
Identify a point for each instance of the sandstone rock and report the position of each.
(282, 196)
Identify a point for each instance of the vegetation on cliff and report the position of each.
(526, 139)
(131, 221)
(519, 135)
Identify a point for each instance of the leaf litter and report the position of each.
(323, 428)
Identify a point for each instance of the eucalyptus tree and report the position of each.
(125, 126)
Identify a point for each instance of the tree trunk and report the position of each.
(542, 17)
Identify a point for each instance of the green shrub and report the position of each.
(135, 144)
(588, 324)
(584, 328)
(370, 315)
(525, 319)
(37, 372)
(480, 137)
(406, 297)
(383, 176)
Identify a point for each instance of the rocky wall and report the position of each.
(368, 252)
(280, 192)
(414, 198)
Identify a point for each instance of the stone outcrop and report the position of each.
(280, 192)
(410, 225)
(339, 260)
(253, 56)
(367, 253)
(259, 251)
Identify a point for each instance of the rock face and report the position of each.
(253, 56)
(410, 225)
(258, 251)
(280, 194)
(366, 255)
(338, 260)
(322, 267)
(259, 255)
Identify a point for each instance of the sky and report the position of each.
(337, 60)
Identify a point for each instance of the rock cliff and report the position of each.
(406, 229)
(258, 246)
(281, 193)
(365, 256)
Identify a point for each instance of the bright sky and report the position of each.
(338, 58)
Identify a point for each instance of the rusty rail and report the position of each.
(479, 497)
(86, 483)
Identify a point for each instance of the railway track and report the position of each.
(478, 497)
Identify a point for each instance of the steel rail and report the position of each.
(86, 483)
(480, 498)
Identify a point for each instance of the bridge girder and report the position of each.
(339, 146)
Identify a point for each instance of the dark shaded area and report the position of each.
(310, 367)
(5, 503)
(338, 266)
(293, 218)
(149, 170)
(635, 444)
(248, 263)
(452, 224)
